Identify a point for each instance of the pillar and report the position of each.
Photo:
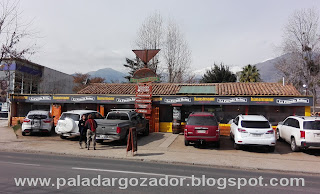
(307, 111)
(246, 109)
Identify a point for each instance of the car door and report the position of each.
(234, 125)
(284, 130)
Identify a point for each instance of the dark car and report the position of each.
(202, 127)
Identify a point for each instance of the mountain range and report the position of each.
(267, 69)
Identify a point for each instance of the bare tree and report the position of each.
(177, 55)
(13, 32)
(302, 41)
(150, 36)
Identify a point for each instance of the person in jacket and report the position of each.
(83, 130)
(91, 125)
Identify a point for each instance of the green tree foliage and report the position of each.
(250, 73)
(218, 74)
(135, 64)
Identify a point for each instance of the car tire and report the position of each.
(236, 146)
(23, 133)
(186, 143)
(278, 135)
(99, 140)
(218, 144)
(63, 137)
(271, 148)
(146, 131)
(293, 145)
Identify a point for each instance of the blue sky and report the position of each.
(82, 36)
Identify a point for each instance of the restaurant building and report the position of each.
(226, 100)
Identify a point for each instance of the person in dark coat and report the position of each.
(83, 130)
(91, 125)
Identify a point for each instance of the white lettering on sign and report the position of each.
(84, 98)
(293, 101)
(143, 89)
(131, 99)
(176, 100)
(231, 100)
(39, 98)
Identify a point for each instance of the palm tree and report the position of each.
(250, 73)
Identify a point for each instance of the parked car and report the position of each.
(254, 130)
(68, 123)
(300, 132)
(117, 123)
(202, 127)
(37, 121)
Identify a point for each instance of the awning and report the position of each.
(197, 90)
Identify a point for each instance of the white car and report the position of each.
(37, 121)
(300, 132)
(252, 130)
(68, 123)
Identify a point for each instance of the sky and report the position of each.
(87, 35)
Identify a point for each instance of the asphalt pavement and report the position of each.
(76, 171)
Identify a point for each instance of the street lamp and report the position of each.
(305, 86)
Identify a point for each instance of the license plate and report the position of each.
(201, 131)
(256, 135)
(101, 137)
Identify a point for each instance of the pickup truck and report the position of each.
(117, 123)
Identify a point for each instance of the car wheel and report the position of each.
(293, 145)
(278, 135)
(23, 133)
(63, 137)
(186, 143)
(218, 144)
(271, 148)
(99, 140)
(146, 131)
(236, 146)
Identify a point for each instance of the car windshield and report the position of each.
(312, 125)
(74, 117)
(118, 116)
(255, 124)
(37, 116)
(202, 120)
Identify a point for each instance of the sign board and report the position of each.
(143, 106)
(132, 143)
(143, 111)
(143, 100)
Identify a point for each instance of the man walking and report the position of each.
(91, 125)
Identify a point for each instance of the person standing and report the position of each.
(91, 125)
(83, 130)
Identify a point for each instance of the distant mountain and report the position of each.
(268, 71)
(110, 75)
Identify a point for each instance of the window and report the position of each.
(236, 121)
(255, 124)
(287, 122)
(97, 115)
(74, 117)
(311, 125)
(295, 123)
(37, 116)
(117, 116)
(202, 120)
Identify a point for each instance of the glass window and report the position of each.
(74, 117)
(118, 116)
(311, 125)
(37, 116)
(97, 115)
(202, 120)
(255, 124)
(295, 123)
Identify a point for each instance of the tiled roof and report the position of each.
(224, 89)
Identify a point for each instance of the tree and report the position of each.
(218, 74)
(133, 65)
(301, 41)
(176, 52)
(250, 73)
(14, 35)
(83, 80)
(150, 36)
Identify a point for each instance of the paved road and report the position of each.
(22, 165)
